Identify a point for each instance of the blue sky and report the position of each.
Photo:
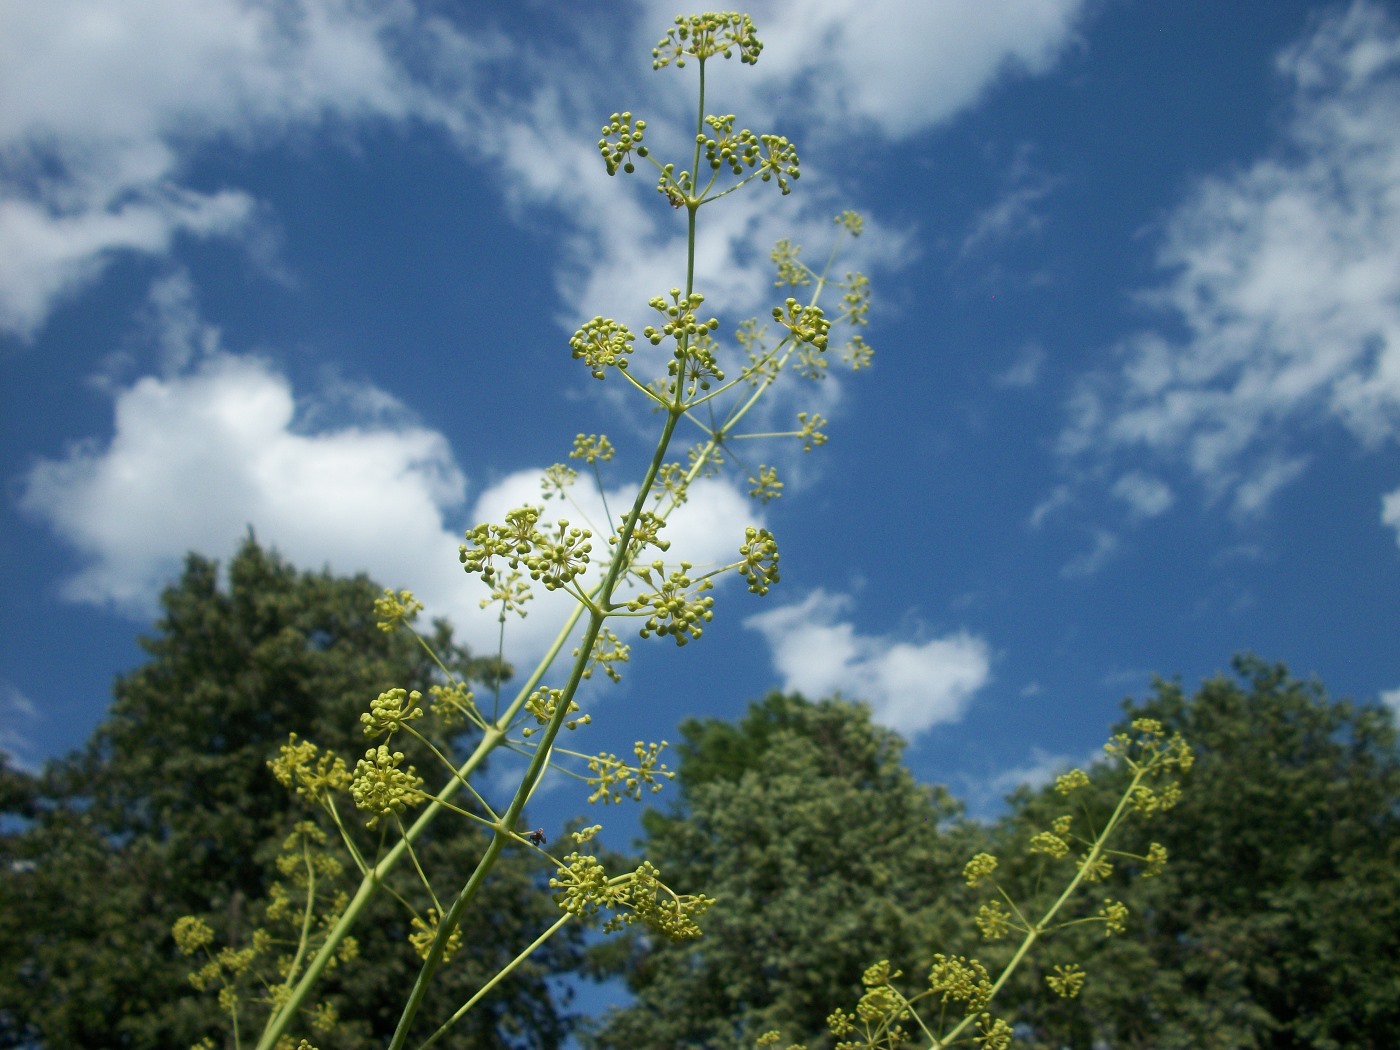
(313, 265)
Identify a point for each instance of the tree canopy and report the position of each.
(171, 810)
(1276, 923)
(823, 853)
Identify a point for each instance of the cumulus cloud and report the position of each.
(339, 476)
(902, 67)
(1286, 279)
(912, 686)
(706, 531)
(194, 459)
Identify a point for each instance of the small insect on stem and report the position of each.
(536, 837)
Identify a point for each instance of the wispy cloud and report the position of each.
(1286, 279)
(1145, 496)
(1104, 550)
(106, 109)
(912, 686)
(1390, 511)
(1059, 498)
(1015, 213)
(1039, 769)
(1024, 372)
(17, 712)
(106, 106)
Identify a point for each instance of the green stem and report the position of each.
(693, 199)
(485, 989)
(503, 832)
(308, 914)
(452, 769)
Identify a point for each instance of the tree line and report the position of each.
(1276, 923)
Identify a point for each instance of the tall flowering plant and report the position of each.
(621, 575)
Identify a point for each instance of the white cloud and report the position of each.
(342, 478)
(910, 686)
(1286, 275)
(1391, 699)
(1014, 214)
(1145, 496)
(1254, 492)
(50, 253)
(985, 798)
(106, 105)
(17, 710)
(1059, 498)
(1038, 770)
(904, 66)
(1390, 511)
(196, 458)
(706, 531)
(1024, 372)
(114, 108)
(1103, 551)
(106, 108)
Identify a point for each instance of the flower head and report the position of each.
(390, 711)
(381, 787)
(704, 36)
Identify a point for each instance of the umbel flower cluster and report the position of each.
(302, 906)
(636, 897)
(618, 568)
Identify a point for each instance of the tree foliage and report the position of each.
(823, 853)
(171, 810)
(1276, 923)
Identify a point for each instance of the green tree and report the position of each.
(1276, 923)
(171, 810)
(824, 855)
